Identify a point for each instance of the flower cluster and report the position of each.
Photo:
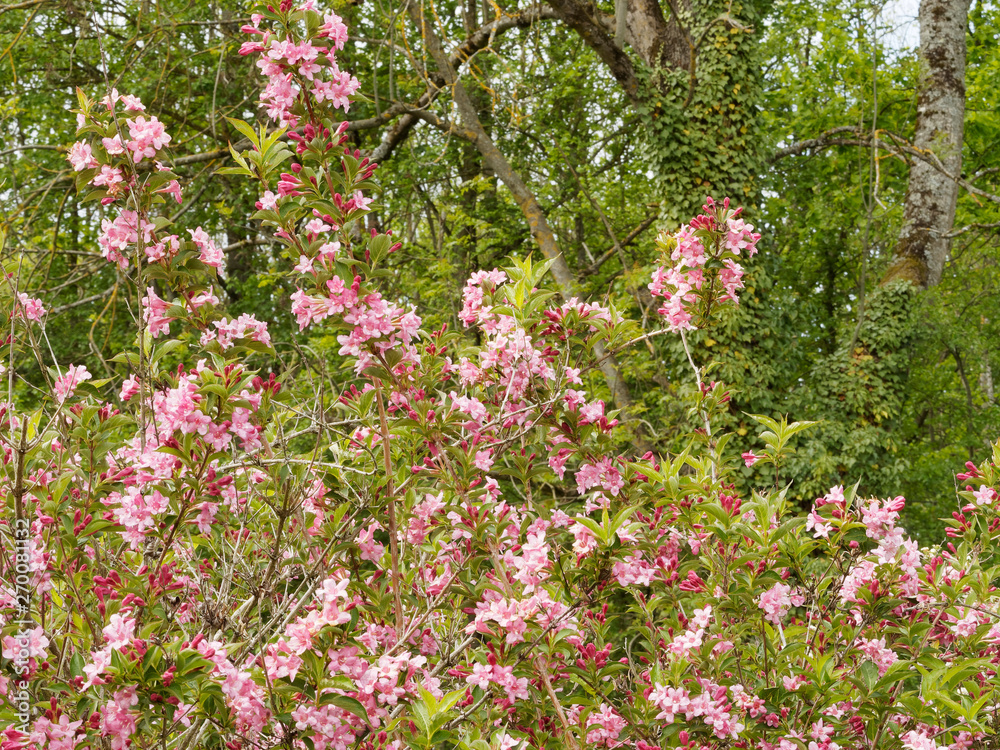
(704, 264)
(453, 549)
(300, 69)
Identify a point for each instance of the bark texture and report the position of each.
(658, 42)
(931, 195)
(596, 30)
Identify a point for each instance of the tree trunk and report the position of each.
(472, 130)
(929, 213)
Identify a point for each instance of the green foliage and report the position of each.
(701, 129)
(765, 75)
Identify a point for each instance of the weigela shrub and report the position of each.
(452, 552)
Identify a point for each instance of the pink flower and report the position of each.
(154, 313)
(370, 549)
(821, 525)
(740, 236)
(172, 188)
(670, 701)
(117, 719)
(329, 250)
(484, 460)
(244, 327)
(914, 740)
(633, 570)
(31, 307)
(750, 459)
(81, 156)
(317, 226)
(120, 235)
(702, 617)
(130, 387)
(108, 177)
(113, 146)
(793, 683)
(984, 495)
(35, 644)
(147, 137)
(267, 202)
(305, 265)
(65, 386)
(358, 202)
(120, 631)
(604, 726)
(338, 91)
(334, 29)
(601, 474)
(880, 519)
(967, 624)
(775, 602)
(132, 103)
(211, 255)
(877, 651)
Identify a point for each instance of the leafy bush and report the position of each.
(210, 558)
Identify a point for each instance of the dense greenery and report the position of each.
(905, 394)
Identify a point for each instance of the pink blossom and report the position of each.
(967, 624)
(601, 474)
(702, 617)
(31, 307)
(328, 250)
(147, 137)
(740, 236)
(81, 156)
(108, 177)
(880, 518)
(66, 385)
(914, 740)
(633, 570)
(604, 726)
(35, 644)
(985, 495)
(113, 146)
(877, 651)
(119, 632)
(117, 719)
(338, 90)
(305, 265)
(317, 226)
(358, 202)
(154, 313)
(55, 736)
(821, 525)
(268, 201)
(334, 29)
(775, 602)
(100, 661)
(671, 701)
(244, 327)
(173, 188)
(210, 255)
(132, 103)
(119, 235)
(130, 387)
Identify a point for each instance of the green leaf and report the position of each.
(245, 130)
(346, 702)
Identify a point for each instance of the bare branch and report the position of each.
(893, 144)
